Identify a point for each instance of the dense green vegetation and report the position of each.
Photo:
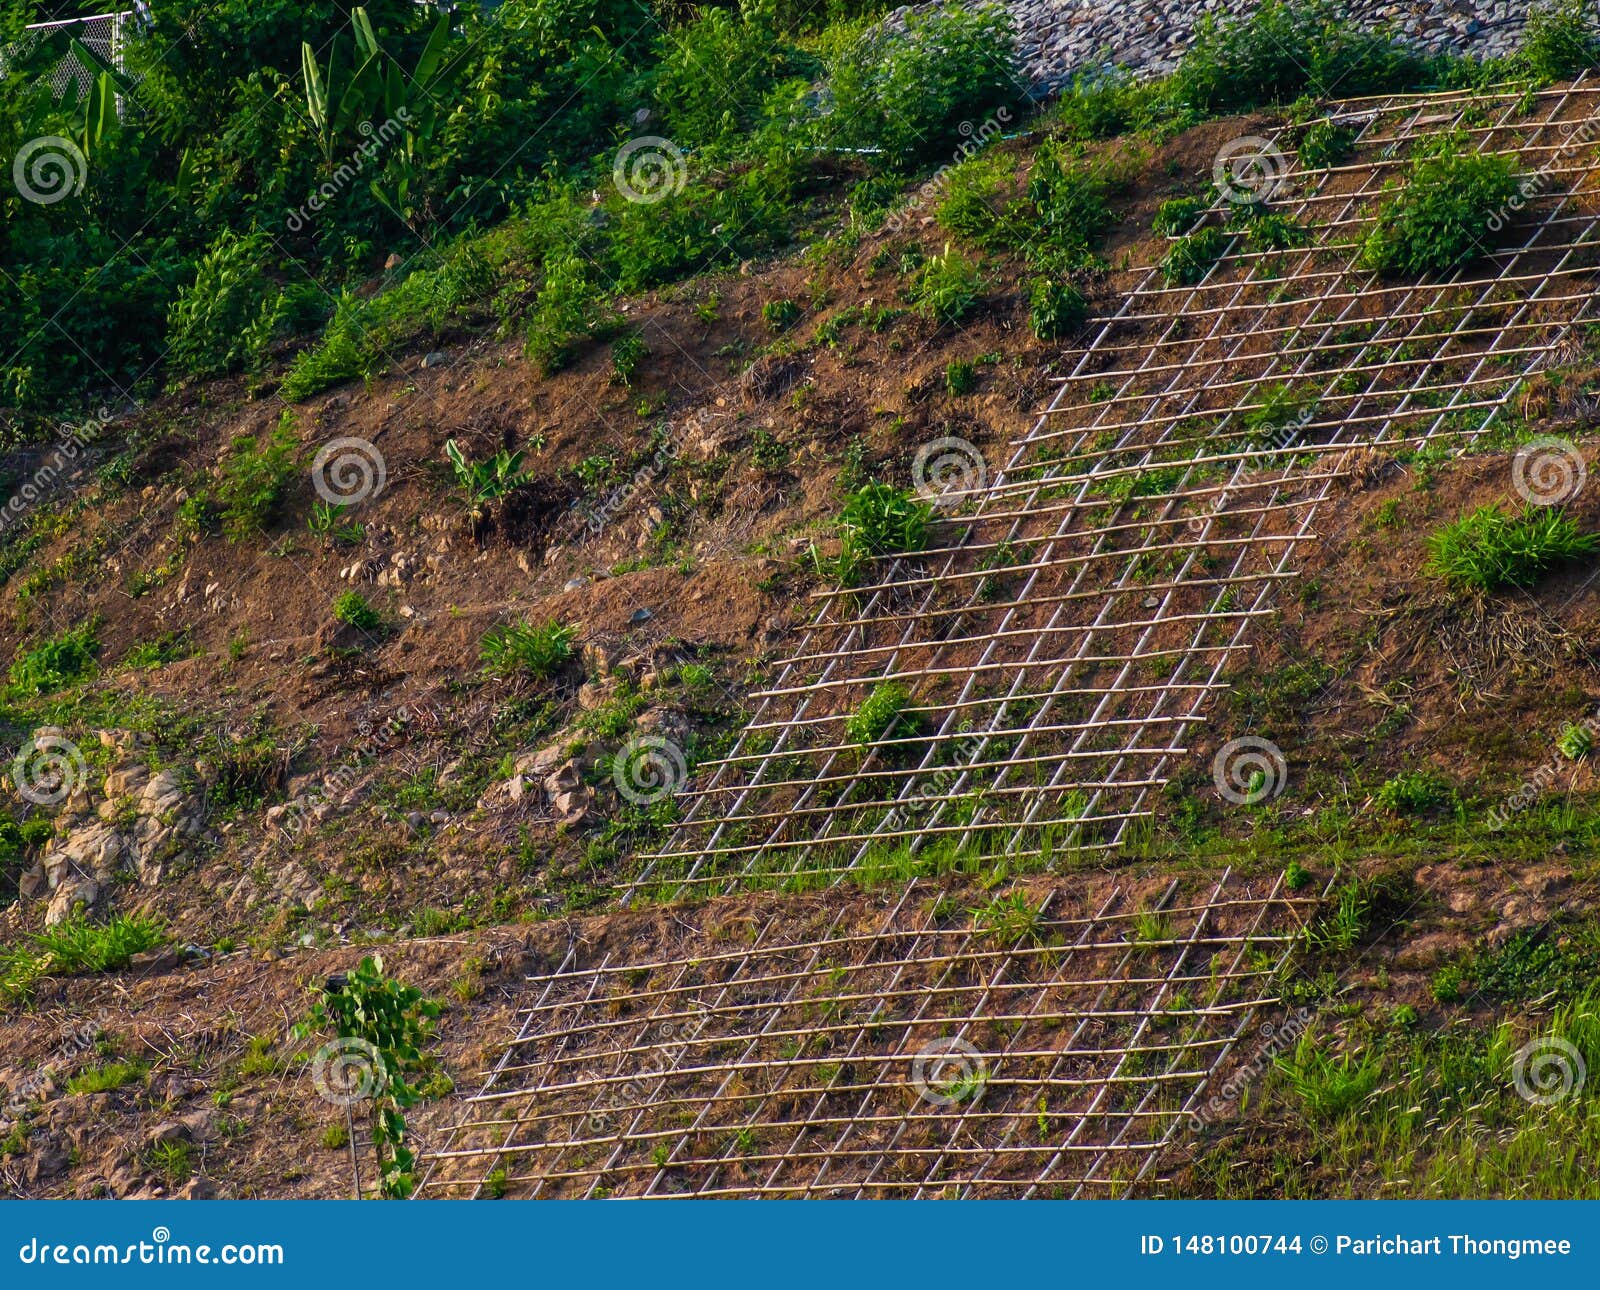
(354, 179)
(269, 158)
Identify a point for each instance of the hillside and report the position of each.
(1060, 665)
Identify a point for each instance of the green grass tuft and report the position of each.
(1488, 550)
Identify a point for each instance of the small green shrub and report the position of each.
(1416, 793)
(1192, 256)
(1487, 550)
(1103, 105)
(347, 351)
(230, 313)
(781, 314)
(1448, 984)
(169, 647)
(1559, 41)
(1277, 406)
(57, 662)
(947, 288)
(909, 92)
(882, 716)
(565, 312)
(396, 1022)
(1575, 742)
(976, 207)
(1056, 308)
(960, 377)
(627, 352)
(1274, 232)
(1177, 215)
(1324, 144)
(254, 481)
(1283, 51)
(354, 610)
(715, 72)
(521, 647)
(1448, 214)
(1069, 206)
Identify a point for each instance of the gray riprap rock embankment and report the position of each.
(1062, 38)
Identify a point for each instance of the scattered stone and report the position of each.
(152, 962)
(573, 808)
(566, 779)
(168, 1131)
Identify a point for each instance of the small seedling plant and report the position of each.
(395, 1021)
(485, 482)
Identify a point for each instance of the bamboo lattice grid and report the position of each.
(878, 1047)
(1079, 609)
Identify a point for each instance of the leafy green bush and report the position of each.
(1487, 550)
(1193, 256)
(169, 647)
(1275, 232)
(394, 1021)
(1069, 204)
(960, 377)
(1177, 215)
(947, 288)
(566, 312)
(364, 331)
(345, 353)
(1105, 105)
(253, 482)
(977, 205)
(716, 72)
(1575, 742)
(1448, 214)
(1055, 308)
(627, 352)
(1283, 51)
(521, 647)
(1323, 144)
(230, 313)
(57, 662)
(781, 314)
(354, 610)
(908, 92)
(1559, 41)
(882, 715)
